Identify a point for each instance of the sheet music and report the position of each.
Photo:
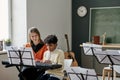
(112, 52)
(76, 72)
(87, 48)
(105, 56)
(117, 68)
(26, 55)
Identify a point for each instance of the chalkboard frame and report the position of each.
(92, 21)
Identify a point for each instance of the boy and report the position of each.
(53, 56)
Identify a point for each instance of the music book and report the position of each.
(21, 56)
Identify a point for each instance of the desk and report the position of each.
(113, 46)
(3, 52)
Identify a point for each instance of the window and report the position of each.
(4, 19)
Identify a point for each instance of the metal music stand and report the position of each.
(88, 51)
(107, 57)
(78, 73)
(20, 57)
(87, 47)
(23, 56)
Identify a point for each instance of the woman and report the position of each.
(36, 43)
(38, 50)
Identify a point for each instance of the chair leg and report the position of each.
(103, 75)
(109, 74)
(114, 75)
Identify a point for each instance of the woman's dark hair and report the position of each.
(51, 39)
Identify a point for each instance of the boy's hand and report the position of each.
(47, 61)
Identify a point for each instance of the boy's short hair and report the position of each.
(51, 39)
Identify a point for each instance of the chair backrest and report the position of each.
(67, 63)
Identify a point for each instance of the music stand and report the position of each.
(78, 73)
(87, 48)
(88, 51)
(23, 56)
(20, 57)
(107, 57)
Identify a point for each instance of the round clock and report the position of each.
(82, 11)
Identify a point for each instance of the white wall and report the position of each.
(19, 28)
(51, 17)
(19, 37)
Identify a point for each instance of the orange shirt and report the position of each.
(38, 55)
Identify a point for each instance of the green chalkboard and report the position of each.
(107, 20)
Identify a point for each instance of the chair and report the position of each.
(67, 64)
(108, 71)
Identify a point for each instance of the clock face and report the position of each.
(82, 11)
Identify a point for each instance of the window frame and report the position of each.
(10, 19)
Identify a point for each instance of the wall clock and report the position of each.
(82, 11)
